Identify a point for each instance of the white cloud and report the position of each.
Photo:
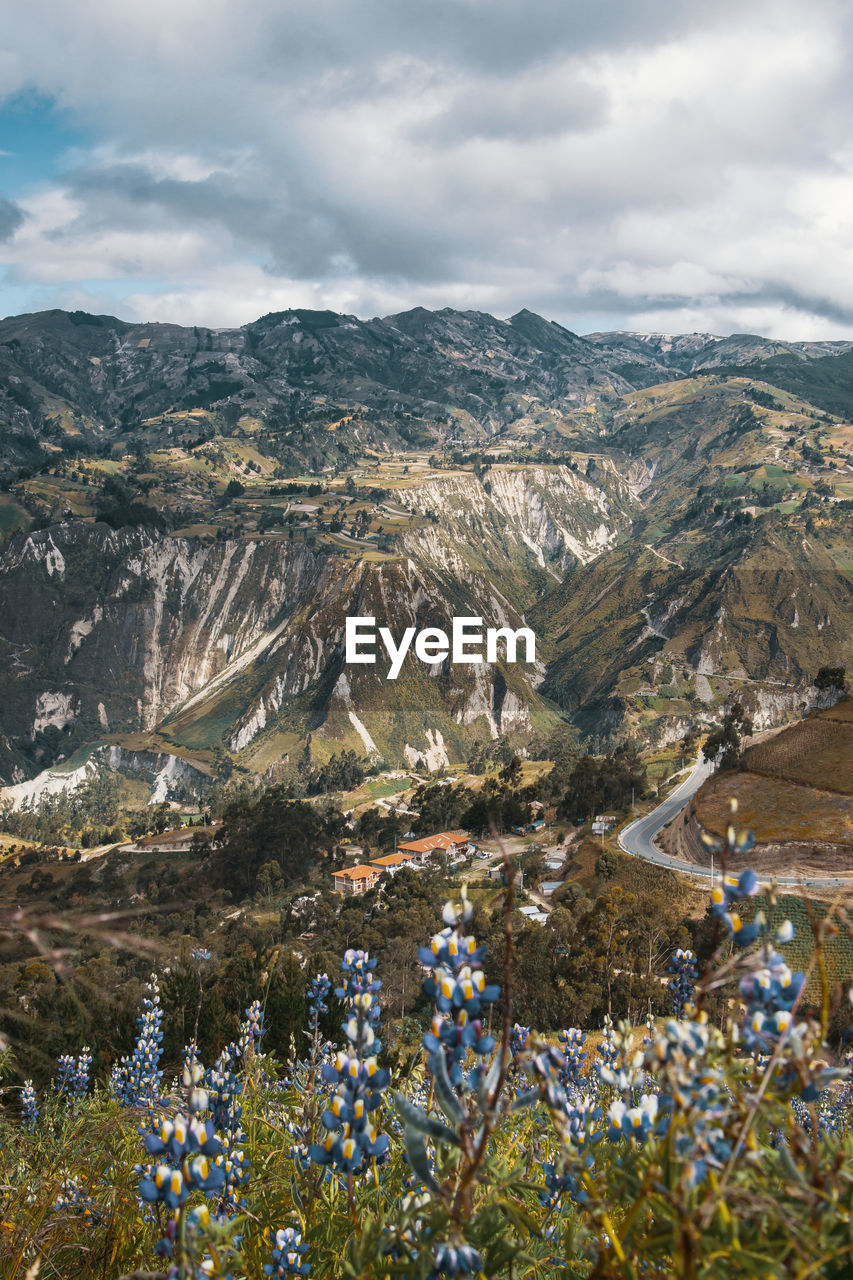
(626, 159)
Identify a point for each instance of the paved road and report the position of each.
(638, 838)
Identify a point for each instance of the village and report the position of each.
(456, 850)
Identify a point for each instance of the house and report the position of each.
(550, 886)
(355, 879)
(497, 873)
(453, 843)
(179, 840)
(536, 914)
(392, 862)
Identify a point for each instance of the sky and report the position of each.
(625, 164)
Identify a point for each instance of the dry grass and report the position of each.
(777, 811)
(818, 752)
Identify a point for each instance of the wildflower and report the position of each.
(770, 991)
(608, 1053)
(572, 1041)
(135, 1081)
(732, 889)
(559, 1185)
(252, 1031)
(29, 1106)
(634, 1122)
(176, 1138)
(287, 1255)
(455, 1260)
(518, 1038)
(458, 988)
(353, 1137)
(73, 1198)
(73, 1074)
(317, 993)
(223, 1088)
(692, 1087)
(184, 1147)
(685, 972)
(192, 1079)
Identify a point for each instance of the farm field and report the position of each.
(794, 794)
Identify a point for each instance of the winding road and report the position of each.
(638, 838)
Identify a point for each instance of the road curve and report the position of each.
(638, 838)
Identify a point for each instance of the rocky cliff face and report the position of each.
(110, 632)
(551, 517)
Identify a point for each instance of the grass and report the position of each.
(776, 810)
(817, 752)
(12, 515)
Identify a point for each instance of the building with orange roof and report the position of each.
(355, 879)
(392, 862)
(450, 842)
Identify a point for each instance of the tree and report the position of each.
(606, 934)
(723, 745)
(606, 864)
(294, 833)
(597, 785)
(831, 678)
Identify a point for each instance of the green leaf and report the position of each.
(447, 1099)
(523, 1100)
(416, 1154)
(787, 1162)
(420, 1122)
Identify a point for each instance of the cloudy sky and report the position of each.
(642, 164)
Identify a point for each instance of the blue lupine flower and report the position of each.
(317, 993)
(455, 1260)
(547, 1065)
(562, 1185)
(74, 1199)
(192, 1078)
(634, 1122)
(252, 1031)
(572, 1041)
(732, 889)
(135, 1081)
(201, 954)
(770, 992)
(29, 1106)
(684, 972)
(224, 1088)
(607, 1053)
(175, 1138)
(353, 1138)
(459, 991)
(287, 1255)
(73, 1074)
(691, 1084)
(184, 1146)
(518, 1038)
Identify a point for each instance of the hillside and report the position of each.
(793, 791)
(189, 515)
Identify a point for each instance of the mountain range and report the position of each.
(189, 515)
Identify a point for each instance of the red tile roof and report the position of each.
(356, 873)
(441, 840)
